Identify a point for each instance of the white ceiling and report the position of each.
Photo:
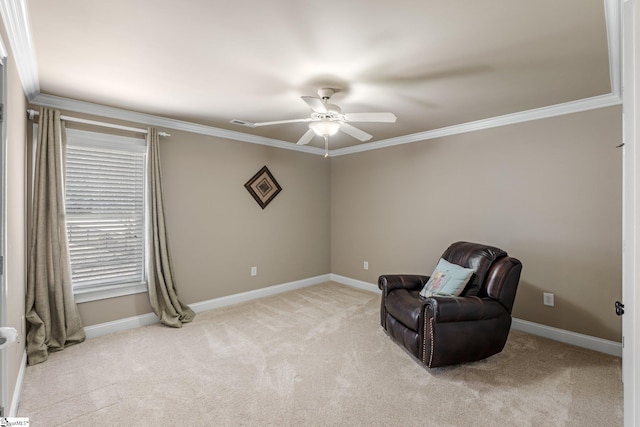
(432, 63)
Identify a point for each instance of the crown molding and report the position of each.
(508, 119)
(84, 107)
(16, 21)
(163, 122)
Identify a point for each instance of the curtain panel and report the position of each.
(162, 285)
(51, 312)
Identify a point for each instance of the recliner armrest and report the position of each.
(389, 282)
(461, 309)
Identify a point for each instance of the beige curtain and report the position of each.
(162, 290)
(51, 312)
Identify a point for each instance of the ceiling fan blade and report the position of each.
(306, 138)
(279, 122)
(371, 117)
(316, 104)
(355, 132)
(243, 123)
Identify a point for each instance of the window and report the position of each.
(105, 205)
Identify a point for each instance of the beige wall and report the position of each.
(16, 240)
(547, 191)
(217, 231)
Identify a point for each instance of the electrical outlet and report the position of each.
(366, 265)
(254, 271)
(547, 299)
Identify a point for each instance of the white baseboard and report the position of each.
(150, 318)
(585, 341)
(258, 293)
(354, 283)
(101, 329)
(17, 391)
(568, 337)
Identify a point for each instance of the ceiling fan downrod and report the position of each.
(325, 94)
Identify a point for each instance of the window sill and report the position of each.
(104, 292)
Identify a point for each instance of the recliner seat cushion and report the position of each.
(406, 307)
(409, 339)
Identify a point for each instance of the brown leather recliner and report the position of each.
(447, 330)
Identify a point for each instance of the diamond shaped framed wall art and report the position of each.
(263, 187)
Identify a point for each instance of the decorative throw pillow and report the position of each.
(447, 279)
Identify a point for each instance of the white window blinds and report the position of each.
(105, 205)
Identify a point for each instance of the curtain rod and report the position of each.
(33, 113)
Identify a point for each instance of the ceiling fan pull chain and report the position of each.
(326, 146)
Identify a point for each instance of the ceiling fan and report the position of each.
(327, 119)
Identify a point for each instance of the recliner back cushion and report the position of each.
(475, 256)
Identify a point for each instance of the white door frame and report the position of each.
(630, 213)
(4, 382)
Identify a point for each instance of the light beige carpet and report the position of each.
(312, 357)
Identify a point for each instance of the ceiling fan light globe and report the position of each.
(324, 127)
